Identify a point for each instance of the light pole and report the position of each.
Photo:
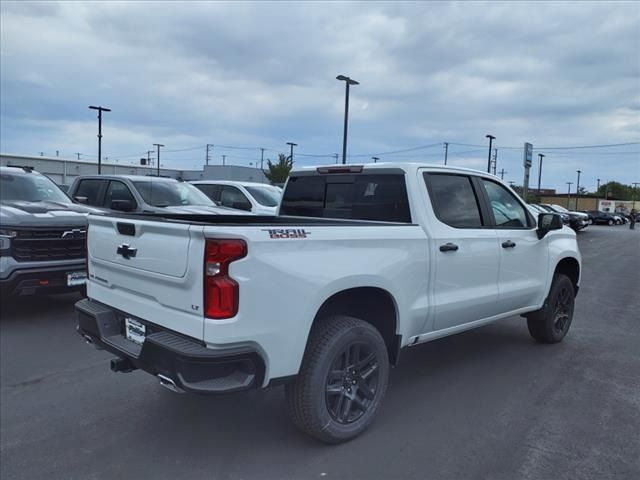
(491, 139)
(540, 157)
(446, 151)
(598, 188)
(261, 158)
(635, 185)
(158, 145)
(568, 193)
(578, 189)
(224, 159)
(100, 110)
(348, 82)
(291, 145)
(208, 150)
(336, 156)
(375, 159)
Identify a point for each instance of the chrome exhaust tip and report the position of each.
(169, 384)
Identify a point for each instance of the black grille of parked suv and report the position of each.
(49, 244)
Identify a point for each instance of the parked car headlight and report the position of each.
(5, 240)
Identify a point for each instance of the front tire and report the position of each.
(610, 222)
(342, 380)
(551, 323)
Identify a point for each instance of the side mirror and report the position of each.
(83, 200)
(548, 222)
(122, 205)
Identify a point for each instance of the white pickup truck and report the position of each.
(361, 262)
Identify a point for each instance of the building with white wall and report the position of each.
(63, 171)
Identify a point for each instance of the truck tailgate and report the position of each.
(150, 270)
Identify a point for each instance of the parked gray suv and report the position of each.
(142, 194)
(42, 235)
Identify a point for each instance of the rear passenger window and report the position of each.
(376, 197)
(91, 189)
(454, 200)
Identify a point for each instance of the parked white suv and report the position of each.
(257, 198)
(361, 262)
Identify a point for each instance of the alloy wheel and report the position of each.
(352, 383)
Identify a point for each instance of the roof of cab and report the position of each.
(406, 166)
(130, 177)
(230, 182)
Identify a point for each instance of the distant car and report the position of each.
(620, 218)
(257, 198)
(576, 220)
(142, 194)
(602, 218)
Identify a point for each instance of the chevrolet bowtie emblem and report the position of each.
(126, 251)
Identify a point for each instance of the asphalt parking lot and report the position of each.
(489, 403)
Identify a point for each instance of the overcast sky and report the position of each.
(262, 74)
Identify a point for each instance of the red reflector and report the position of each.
(43, 282)
(221, 292)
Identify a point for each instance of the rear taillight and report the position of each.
(221, 292)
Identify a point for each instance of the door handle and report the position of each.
(448, 247)
(508, 244)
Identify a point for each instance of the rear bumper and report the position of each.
(185, 361)
(40, 279)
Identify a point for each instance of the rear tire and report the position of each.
(342, 380)
(551, 323)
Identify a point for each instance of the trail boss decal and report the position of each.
(287, 232)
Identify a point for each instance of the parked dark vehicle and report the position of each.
(42, 235)
(601, 218)
(576, 220)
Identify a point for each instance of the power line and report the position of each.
(378, 154)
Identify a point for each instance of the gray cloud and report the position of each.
(261, 74)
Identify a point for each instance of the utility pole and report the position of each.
(149, 152)
(446, 151)
(495, 160)
(502, 172)
(158, 145)
(635, 185)
(261, 158)
(291, 144)
(100, 110)
(568, 193)
(540, 157)
(224, 158)
(598, 188)
(207, 157)
(78, 154)
(578, 189)
(375, 159)
(336, 155)
(491, 139)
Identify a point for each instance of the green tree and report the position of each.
(616, 190)
(279, 171)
